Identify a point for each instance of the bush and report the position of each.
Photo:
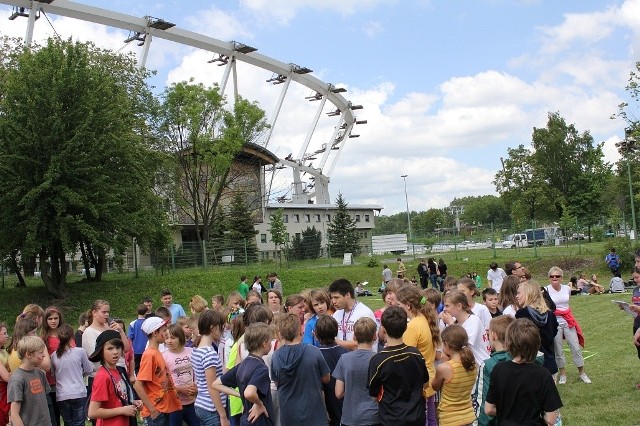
(373, 262)
(626, 249)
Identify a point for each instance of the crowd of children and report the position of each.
(318, 358)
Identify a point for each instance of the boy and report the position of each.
(490, 299)
(149, 304)
(176, 309)
(137, 337)
(398, 374)
(401, 268)
(521, 390)
(299, 371)
(497, 331)
(351, 378)
(28, 388)
(185, 324)
(326, 331)
(154, 384)
(243, 287)
(348, 311)
(251, 376)
(217, 302)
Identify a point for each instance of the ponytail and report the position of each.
(467, 359)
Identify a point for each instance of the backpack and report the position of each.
(614, 260)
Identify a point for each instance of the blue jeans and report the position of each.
(72, 411)
(208, 418)
(161, 420)
(187, 414)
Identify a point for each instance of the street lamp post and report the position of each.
(406, 199)
(626, 147)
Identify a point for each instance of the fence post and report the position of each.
(535, 243)
(578, 236)
(493, 241)
(246, 254)
(173, 256)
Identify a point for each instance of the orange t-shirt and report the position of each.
(157, 383)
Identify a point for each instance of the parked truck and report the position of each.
(533, 236)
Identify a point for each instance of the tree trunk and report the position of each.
(85, 260)
(29, 265)
(53, 270)
(16, 267)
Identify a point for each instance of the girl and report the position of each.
(389, 298)
(4, 375)
(274, 300)
(197, 305)
(24, 327)
(231, 353)
(34, 312)
(235, 302)
(468, 287)
(254, 298)
(296, 304)
(534, 308)
(210, 404)
(319, 303)
(52, 321)
(257, 285)
(70, 365)
(113, 402)
(568, 327)
(456, 309)
(507, 297)
(178, 359)
(423, 333)
(455, 378)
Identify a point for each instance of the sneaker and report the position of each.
(585, 378)
(563, 380)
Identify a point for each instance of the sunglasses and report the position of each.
(555, 276)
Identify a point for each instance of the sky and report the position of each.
(447, 86)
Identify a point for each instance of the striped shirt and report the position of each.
(455, 402)
(201, 360)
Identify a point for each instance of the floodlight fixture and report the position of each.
(241, 47)
(45, 1)
(355, 107)
(334, 112)
(19, 11)
(354, 136)
(137, 36)
(300, 70)
(315, 97)
(361, 121)
(221, 58)
(159, 24)
(338, 90)
(277, 79)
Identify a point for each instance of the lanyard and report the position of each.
(344, 328)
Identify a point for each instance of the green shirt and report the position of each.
(243, 289)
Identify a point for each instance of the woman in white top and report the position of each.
(468, 287)
(507, 297)
(568, 327)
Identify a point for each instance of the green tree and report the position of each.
(521, 187)
(76, 160)
(205, 138)
(241, 228)
(483, 210)
(278, 231)
(311, 242)
(341, 232)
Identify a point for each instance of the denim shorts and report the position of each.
(208, 418)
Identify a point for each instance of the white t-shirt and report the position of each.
(496, 277)
(482, 312)
(561, 299)
(478, 339)
(257, 287)
(509, 310)
(346, 320)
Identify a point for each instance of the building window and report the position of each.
(297, 235)
(285, 218)
(328, 218)
(366, 218)
(286, 237)
(317, 218)
(296, 218)
(357, 218)
(307, 218)
(263, 238)
(365, 235)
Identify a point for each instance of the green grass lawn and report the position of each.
(611, 358)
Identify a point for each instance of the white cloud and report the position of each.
(220, 24)
(372, 28)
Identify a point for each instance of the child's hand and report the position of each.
(256, 411)
(447, 318)
(129, 410)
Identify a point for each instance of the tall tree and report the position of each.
(341, 233)
(241, 228)
(205, 137)
(76, 163)
(278, 231)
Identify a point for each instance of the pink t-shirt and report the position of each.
(179, 365)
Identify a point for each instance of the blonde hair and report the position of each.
(533, 296)
(411, 296)
(198, 304)
(30, 344)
